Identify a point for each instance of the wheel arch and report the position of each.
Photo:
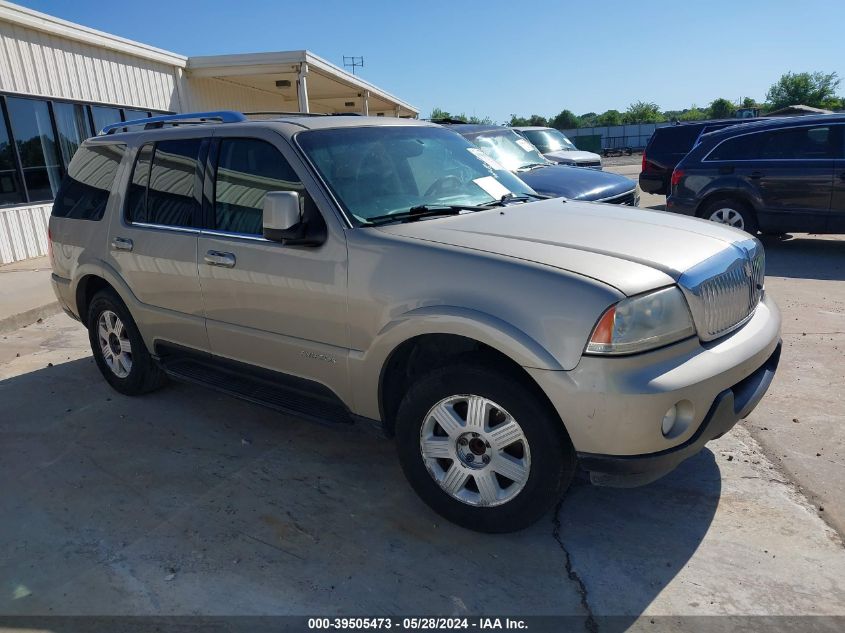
(414, 356)
(739, 194)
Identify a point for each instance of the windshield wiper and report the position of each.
(530, 166)
(522, 197)
(426, 211)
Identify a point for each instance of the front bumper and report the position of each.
(730, 406)
(613, 408)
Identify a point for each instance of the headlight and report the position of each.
(642, 323)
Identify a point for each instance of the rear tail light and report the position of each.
(676, 177)
(644, 162)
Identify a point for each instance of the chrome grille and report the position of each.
(724, 291)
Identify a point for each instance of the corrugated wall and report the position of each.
(36, 63)
(23, 232)
(219, 94)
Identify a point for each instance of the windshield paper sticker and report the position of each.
(484, 158)
(528, 147)
(492, 187)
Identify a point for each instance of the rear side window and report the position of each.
(84, 193)
(674, 140)
(738, 148)
(246, 170)
(803, 143)
(162, 187)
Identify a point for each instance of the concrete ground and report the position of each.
(189, 502)
(25, 293)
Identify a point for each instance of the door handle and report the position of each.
(218, 258)
(122, 244)
(756, 175)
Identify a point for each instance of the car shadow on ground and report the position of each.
(189, 502)
(803, 256)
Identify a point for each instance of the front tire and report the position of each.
(732, 212)
(482, 448)
(119, 349)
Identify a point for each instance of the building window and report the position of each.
(103, 116)
(73, 127)
(10, 189)
(33, 132)
(131, 115)
(39, 137)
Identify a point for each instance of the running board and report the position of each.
(288, 394)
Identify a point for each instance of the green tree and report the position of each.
(722, 109)
(642, 112)
(588, 119)
(812, 89)
(518, 121)
(748, 102)
(565, 120)
(437, 113)
(609, 117)
(693, 114)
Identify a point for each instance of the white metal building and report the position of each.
(61, 82)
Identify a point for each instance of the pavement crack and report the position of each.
(590, 623)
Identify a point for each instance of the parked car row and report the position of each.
(512, 150)
(383, 271)
(770, 175)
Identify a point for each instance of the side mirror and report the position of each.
(283, 216)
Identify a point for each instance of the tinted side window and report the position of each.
(673, 140)
(246, 170)
(85, 191)
(798, 143)
(136, 203)
(738, 148)
(170, 195)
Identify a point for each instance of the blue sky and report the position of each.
(493, 58)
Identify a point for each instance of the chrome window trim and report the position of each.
(167, 227)
(230, 234)
(706, 158)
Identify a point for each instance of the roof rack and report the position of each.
(221, 116)
(283, 113)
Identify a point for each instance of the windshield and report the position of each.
(509, 149)
(376, 171)
(549, 140)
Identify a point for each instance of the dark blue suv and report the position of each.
(774, 176)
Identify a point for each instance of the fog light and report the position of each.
(669, 419)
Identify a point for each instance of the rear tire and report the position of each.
(118, 348)
(501, 457)
(732, 212)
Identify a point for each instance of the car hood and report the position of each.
(577, 183)
(572, 155)
(633, 250)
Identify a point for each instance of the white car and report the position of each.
(556, 147)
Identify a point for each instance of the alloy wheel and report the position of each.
(475, 450)
(114, 343)
(728, 216)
